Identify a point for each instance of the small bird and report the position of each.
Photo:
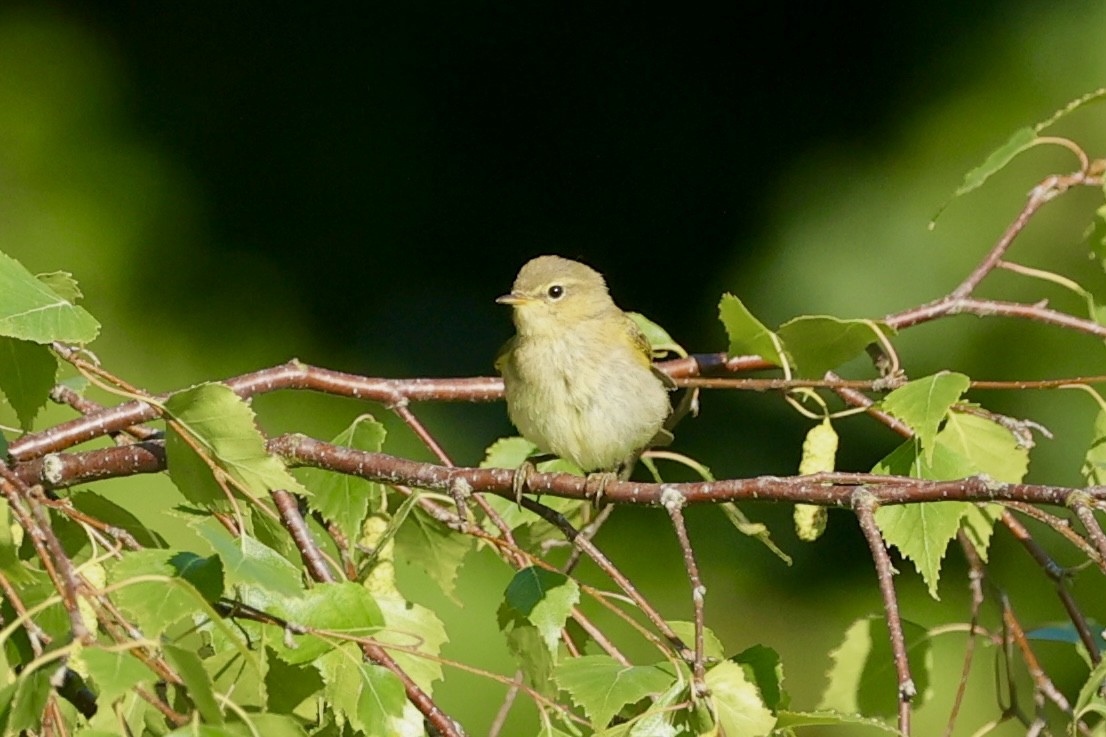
(579, 376)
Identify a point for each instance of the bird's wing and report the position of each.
(504, 352)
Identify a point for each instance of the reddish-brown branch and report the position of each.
(673, 504)
(865, 507)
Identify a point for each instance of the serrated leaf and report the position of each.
(196, 682)
(343, 498)
(247, 563)
(62, 284)
(370, 697)
(763, 667)
(793, 719)
(345, 608)
(31, 691)
(737, 702)
(601, 686)
(105, 510)
(1021, 140)
(224, 426)
(987, 446)
(923, 404)
(30, 310)
(433, 547)
(158, 603)
(747, 335)
(1096, 238)
(545, 599)
(819, 343)
(288, 685)
(862, 679)
(535, 661)
(510, 453)
(1094, 462)
(659, 340)
(979, 525)
(922, 532)
(27, 374)
(1090, 696)
(712, 646)
(412, 625)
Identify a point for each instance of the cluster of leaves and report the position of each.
(111, 629)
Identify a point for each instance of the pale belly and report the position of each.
(593, 414)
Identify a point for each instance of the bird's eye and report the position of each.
(556, 291)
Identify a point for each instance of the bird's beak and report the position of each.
(511, 299)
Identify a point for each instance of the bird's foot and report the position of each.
(595, 485)
(525, 470)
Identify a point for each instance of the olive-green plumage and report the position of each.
(578, 373)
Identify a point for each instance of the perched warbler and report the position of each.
(578, 373)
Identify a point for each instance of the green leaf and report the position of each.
(156, 604)
(922, 533)
(371, 698)
(737, 702)
(224, 426)
(268, 725)
(1091, 97)
(819, 343)
(789, 720)
(343, 498)
(30, 310)
(545, 599)
(862, 679)
(535, 661)
(412, 625)
(1096, 238)
(288, 685)
(27, 374)
(659, 339)
(197, 684)
(712, 646)
(62, 284)
(24, 713)
(601, 686)
(105, 510)
(249, 564)
(763, 667)
(968, 445)
(987, 446)
(114, 673)
(435, 548)
(923, 404)
(1090, 697)
(979, 525)
(748, 335)
(1094, 463)
(345, 608)
(1022, 140)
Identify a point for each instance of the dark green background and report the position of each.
(234, 186)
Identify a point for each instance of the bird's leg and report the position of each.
(595, 485)
(525, 470)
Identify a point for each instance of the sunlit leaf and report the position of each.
(819, 343)
(763, 667)
(601, 686)
(737, 702)
(923, 404)
(659, 339)
(30, 310)
(748, 335)
(225, 428)
(863, 680)
(433, 547)
(544, 598)
(27, 374)
(344, 498)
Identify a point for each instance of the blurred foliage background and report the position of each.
(235, 186)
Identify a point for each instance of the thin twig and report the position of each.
(865, 506)
(673, 504)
